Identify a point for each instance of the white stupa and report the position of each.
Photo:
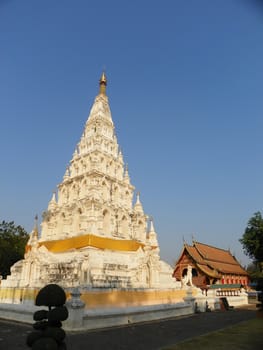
(91, 233)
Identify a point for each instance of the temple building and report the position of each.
(93, 232)
(210, 267)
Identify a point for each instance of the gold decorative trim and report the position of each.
(90, 240)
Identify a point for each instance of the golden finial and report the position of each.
(103, 84)
(35, 234)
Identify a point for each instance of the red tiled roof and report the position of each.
(213, 261)
(228, 268)
(214, 254)
(194, 253)
(208, 271)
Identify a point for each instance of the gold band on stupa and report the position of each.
(89, 240)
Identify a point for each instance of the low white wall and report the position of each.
(238, 301)
(205, 303)
(92, 319)
(118, 317)
(18, 312)
(212, 301)
(81, 318)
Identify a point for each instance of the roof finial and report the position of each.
(35, 230)
(36, 220)
(103, 84)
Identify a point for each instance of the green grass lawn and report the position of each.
(246, 336)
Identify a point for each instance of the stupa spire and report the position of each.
(138, 205)
(91, 233)
(138, 201)
(53, 203)
(36, 226)
(152, 234)
(33, 237)
(103, 84)
(126, 174)
(151, 225)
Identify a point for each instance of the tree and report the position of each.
(254, 272)
(13, 240)
(252, 239)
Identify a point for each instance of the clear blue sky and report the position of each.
(185, 83)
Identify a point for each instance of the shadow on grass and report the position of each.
(246, 336)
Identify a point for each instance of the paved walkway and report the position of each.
(147, 336)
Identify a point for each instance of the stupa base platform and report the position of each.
(95, 308)
(92, 309)
(95, 298)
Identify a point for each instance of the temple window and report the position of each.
(106, 222)
(116, 192)
(105, 191)
(194, 272)
(124, 226)
(141, 230)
